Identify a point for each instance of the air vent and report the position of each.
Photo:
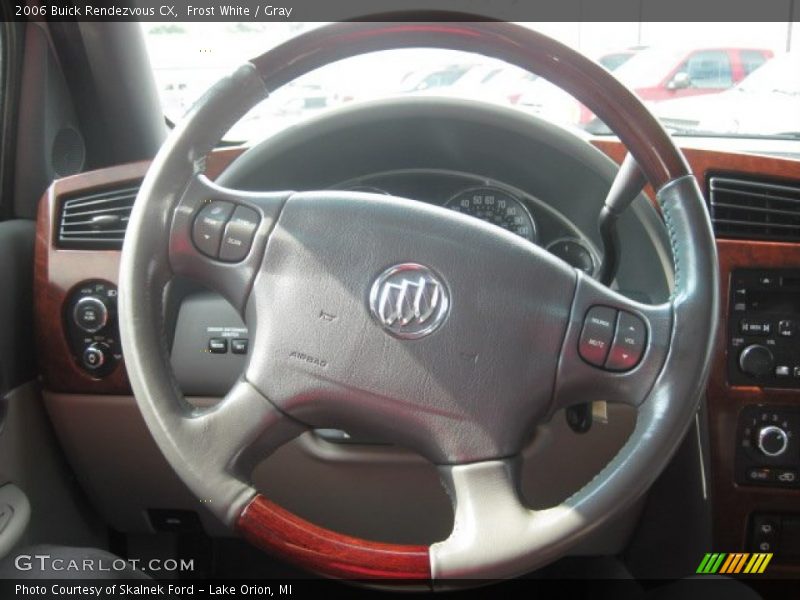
(96, 220)
(754, 210)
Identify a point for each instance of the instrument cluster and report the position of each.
(494, 202)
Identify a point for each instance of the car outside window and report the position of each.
(695, 82)
(751, 60)
(709, 69)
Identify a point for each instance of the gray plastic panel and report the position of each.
(199, 372)
(15, 513)
(381, 493)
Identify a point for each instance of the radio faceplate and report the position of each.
(764, 328)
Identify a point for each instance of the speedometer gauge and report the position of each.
(497, 207)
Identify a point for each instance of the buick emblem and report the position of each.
(409, 301)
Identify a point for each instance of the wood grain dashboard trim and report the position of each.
(733, 504)
(57, 271)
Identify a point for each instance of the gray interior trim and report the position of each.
(382, 493)
(17, 363)
(15, 514)
(32, 459)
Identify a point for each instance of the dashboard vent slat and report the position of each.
(97, 220)
(754, 210)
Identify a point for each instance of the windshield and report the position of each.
(649, 67)
(780, 75)
(693, 85)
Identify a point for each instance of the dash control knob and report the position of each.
(95, 356)
(772, 441)
(756, 360)
(90, 314)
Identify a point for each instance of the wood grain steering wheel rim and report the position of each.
(206, 449)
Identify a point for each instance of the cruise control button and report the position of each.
(209, 225)
(598, 331)
(238, 235)
(629, 343)
(218, 346)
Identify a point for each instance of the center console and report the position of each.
(753, 399)
(764, 328)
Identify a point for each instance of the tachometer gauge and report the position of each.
(575, 253)
(497, 207)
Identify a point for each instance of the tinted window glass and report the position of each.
(751, 60)
(709, 69)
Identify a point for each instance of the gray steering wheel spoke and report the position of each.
(242, 429)
(492, 526)
(614, 348)
(218, 236)
(227, 440)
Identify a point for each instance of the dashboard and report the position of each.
(492, 201)
(545, 187)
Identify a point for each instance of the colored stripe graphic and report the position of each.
(767, 558)
(740, 563)
(734, 563)
(703, 563)
(729, 562)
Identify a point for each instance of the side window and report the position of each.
(751, 60)
(709, 69)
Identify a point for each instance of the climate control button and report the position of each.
(772, 440)
(757, 361)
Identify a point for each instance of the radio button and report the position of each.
(767, 280)
(756, 361)
(755, 327)
(786, 328)
(781, 371)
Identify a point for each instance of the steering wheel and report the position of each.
(427, 328)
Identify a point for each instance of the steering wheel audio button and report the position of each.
(209, 225)
(629, 343)
(238, 236)
(598, 331)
